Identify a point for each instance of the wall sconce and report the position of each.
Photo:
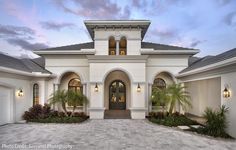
(96, 88)
(20, 93)
(138, 88)
(226, 92)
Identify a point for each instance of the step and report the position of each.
(117, 114)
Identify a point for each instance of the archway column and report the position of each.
(55, 88)
(96, 109)
(138, 100)
(149, 97)
(117, 47)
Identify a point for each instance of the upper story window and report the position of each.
(123, 46)
(112, 46)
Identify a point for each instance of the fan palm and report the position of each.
(76, 99)
(159, 97)
(59, 96)
(177, 94)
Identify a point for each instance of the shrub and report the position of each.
(28, 116)
(158, 115)
(46, 109)
(36, 110)
(215, 122)
(61, 114)
(173, 121)
(44, 114)
(80, 114)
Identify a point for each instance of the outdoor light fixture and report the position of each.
(96, 88)
(226, 92)
(20, 93)
(138, 88)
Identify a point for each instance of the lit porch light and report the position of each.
(20, 93)
(96, 88)
(138, 88)
(226, 92)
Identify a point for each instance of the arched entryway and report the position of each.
(117, 91)
(117, 95)
(72, 81)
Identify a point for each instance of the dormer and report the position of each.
(117, 37)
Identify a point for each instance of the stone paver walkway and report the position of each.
(106, 134)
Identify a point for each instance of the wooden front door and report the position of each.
(117, 95)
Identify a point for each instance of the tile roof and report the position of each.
(157, 46)
(208, 60)
(88, 45)
(27, 65)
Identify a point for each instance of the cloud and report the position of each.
(230, 19)
(99, 9)
(20, 36)
(195, 42)
(9, 31)
(56, 25)
(162, 34)
(139, 3)
(223, 2)
(24, 44)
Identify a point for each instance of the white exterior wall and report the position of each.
(136, 73)
(17, 104)
(133, 37)
(171, 64)
(230, 79)
(204, 93)
(61, 64)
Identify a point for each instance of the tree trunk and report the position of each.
(171, 108)
(64, 109)
(73, 111)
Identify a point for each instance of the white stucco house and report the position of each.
(116, 71)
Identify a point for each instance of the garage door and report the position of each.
(4, 105)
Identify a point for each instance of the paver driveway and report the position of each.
(107, 134)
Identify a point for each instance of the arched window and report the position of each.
(112, 46)
(159, 83)
(35, 94)
(75, 85)
(123, 46)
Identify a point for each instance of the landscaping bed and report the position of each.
(213, 127)
(44, 114)
(173, 120)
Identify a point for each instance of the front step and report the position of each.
(117, 114)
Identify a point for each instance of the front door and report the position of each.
(117, 95)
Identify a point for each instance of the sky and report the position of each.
(207, 25)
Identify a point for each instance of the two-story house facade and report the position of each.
(117, 70)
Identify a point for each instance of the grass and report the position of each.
(59, 120)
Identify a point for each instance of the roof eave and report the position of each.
(91, 24)
(80, 52)
(30, 74)
(169, 52)
(208, 67)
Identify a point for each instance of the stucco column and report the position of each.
(85, 93)
(55, 88)
(117, 47)
(149, 97)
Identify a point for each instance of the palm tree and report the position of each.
(76, 99)
(159, 97)
(177, 94)
(59, 96)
